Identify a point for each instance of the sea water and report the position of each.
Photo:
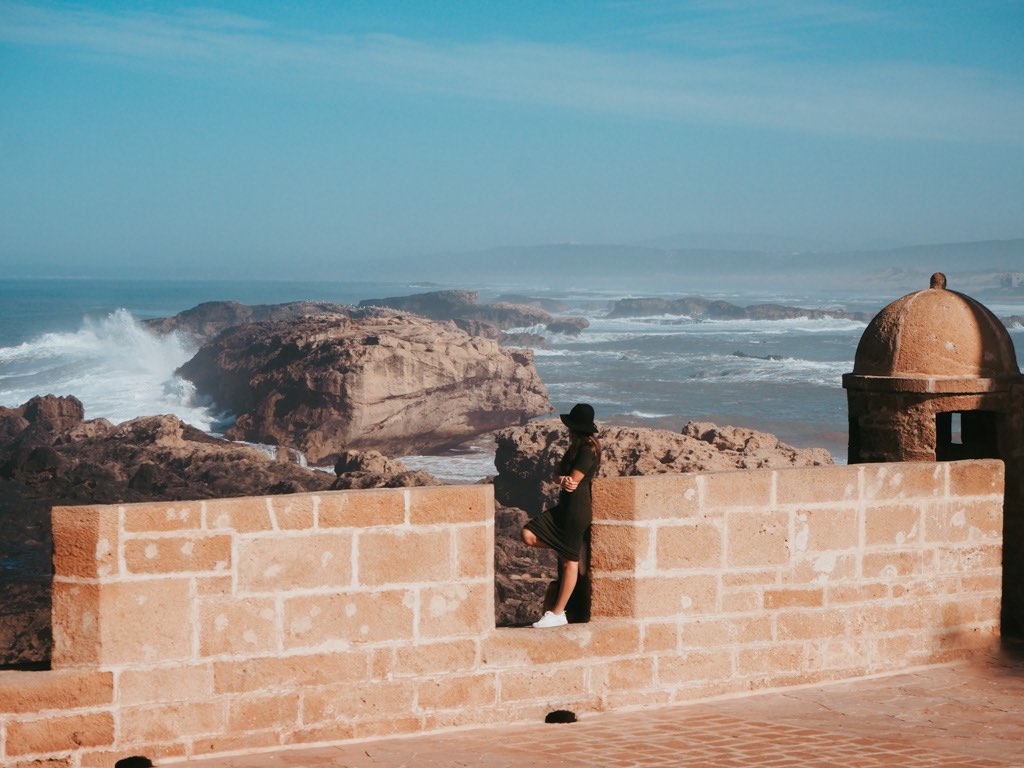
(85, 338)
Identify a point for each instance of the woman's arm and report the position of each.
(570, 481)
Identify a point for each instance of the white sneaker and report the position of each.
(550, 619)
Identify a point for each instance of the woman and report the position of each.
(563, 527)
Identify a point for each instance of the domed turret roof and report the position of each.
(936, 333)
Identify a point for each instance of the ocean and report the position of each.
(84, 338)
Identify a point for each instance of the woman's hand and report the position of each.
(568, 483)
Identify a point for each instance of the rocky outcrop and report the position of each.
(372, 469)
(368, 380)
(708, 309)
(205, 321)
(461, 307)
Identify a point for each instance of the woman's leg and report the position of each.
(530, 539)
(570, 573)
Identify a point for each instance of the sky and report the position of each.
(287, 140)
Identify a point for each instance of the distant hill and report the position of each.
(971, 267)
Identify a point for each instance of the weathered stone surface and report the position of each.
(205, 321)
(395, 383)
(708, 309)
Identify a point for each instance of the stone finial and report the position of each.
(938, 281)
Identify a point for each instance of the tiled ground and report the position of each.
(964, 716)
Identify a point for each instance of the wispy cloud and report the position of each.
(884, 99)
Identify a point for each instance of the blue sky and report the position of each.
(284, 139)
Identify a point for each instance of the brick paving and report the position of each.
(967, 715)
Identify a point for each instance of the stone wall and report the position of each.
(239, 625)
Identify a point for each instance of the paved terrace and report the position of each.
(965, 715)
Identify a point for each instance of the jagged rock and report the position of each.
(372, 469)
(568, 326)
(395, 383)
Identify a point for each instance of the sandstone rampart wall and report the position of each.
(239, 625)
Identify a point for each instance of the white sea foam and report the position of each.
(114, 365)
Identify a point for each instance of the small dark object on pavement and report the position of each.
(560, 716)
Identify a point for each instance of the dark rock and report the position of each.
(707, 309)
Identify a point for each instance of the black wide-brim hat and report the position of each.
(580, 419)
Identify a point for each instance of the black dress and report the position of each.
(563, 526)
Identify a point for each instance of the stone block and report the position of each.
(690, 545)
(677, 595)
(378, 700)
(614, 498)
(294, 511)
(809, 624)
(963, 520)
(725, 631)
(85, 541)
(757, 539)
(75, 622)
(238, 626)
(890, 566)
(456, 609)
(122, 622)
(275, 712)
(177, 554)
(430, 658)
(451, 504)
(817, 485)
(976, 478)
(281, 563)
(623, 675)
(250, 514)
(839, 594)
(30, 692)
(153, 685)
(889, 525)
(620, 547)
(769, 662)
(694, 666)
(741, 600)
(362, 509)
(474, 552)
(737, 489)
(402, 556)
(612, 596)
(290, 672)
(453, 691)
(552, 686)
(163, 516)
(904, 480)
(657, 636)
(59, 733)
(821, 568)
(322, 733)
(972, 558)
(315, 620)
(793, 598)
(171, 722)
(826, 529)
